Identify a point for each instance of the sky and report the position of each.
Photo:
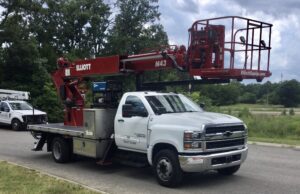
(177, 17)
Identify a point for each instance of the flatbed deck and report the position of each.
(58, 128)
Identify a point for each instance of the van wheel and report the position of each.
(167, 169)
(16, 125)
(229, 170)
(61, 151)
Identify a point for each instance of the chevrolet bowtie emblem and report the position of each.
(227, 133)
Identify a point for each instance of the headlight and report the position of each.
(246, 129)
(192, 145)
(192, 140)
(44, 119)
(192, 135)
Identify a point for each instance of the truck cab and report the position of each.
(18, 114)
(178, 136)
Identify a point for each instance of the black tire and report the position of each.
(229, 171)
(16, 125)
(61, 150)
(167, 168)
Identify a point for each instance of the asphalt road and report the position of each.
(267, 170)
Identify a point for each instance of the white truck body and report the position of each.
(19, 113)
(171, 131)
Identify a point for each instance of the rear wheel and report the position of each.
(167, 169)
(61, 150)
(16, 125)
(229, 170)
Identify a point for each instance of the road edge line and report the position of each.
(56, 177)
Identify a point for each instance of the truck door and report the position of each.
(131, 130)
(4, 113)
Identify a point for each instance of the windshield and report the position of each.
(20, 106)
(162, 104)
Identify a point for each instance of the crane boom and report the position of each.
(215, 51)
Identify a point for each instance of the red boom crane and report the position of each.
(220, 48)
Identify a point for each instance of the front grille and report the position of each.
(222, 129)
(225, 143)
(35, 119)
(226, 159)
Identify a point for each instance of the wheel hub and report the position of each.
(57, 150)
(15, 125)
(164, 169)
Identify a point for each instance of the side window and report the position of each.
(4, 107)
(137, 104)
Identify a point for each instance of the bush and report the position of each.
(291, 112)
(244, 113)
(198, 98)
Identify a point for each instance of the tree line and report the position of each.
(285, 93)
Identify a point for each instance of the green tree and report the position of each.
(289, 93)
(224, 94)
(22, 65)
(136, 27)
(247, 97)
(76, 28)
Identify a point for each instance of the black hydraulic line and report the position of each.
(162, 85)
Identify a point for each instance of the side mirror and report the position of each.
(6, 109)
(202, 105)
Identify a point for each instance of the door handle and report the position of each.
(120, 120)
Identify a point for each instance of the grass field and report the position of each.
(268, 123)
(15, 179)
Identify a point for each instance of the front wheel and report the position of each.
(16, 125)
(167, 169)
(229, 170)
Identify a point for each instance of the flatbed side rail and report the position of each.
(57, 128)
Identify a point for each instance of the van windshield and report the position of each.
(162, 104)
(20, 106)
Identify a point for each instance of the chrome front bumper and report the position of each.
(200, 163)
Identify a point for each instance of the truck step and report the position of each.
(138, 160)
(104, 163)
(133, 164)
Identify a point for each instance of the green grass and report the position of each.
(15, 179)
(274, 129)
(256, 107)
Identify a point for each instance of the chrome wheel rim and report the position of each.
(15, 125)
(57, 150)
(164, 169)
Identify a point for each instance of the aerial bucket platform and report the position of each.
(230, 47)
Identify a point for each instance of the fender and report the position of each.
(162, 141)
